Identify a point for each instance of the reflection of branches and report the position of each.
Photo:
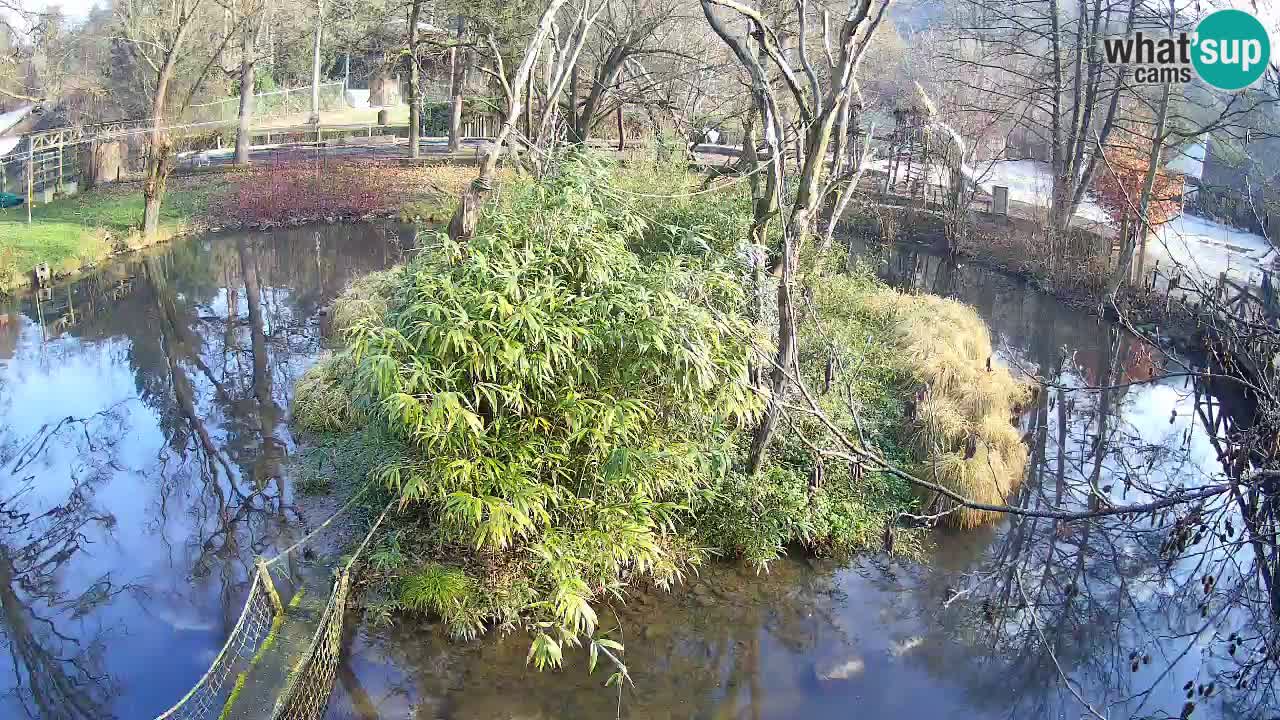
(1182, 587)
(30, 450)
(1035, 621)
(56, 675)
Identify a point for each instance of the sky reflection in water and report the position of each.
(143, 455)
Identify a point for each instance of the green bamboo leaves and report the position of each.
(562, 400)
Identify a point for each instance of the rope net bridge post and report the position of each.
(270, 631)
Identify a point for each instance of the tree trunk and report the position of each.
(601, 83)
(622, 137)
(315, 64)
(248, 61)
(572, 104)
(765, 208)
(415, 101)
(528, 112)
(157, 152)
(813, 168)
(783, 361)
(1141, 227)
(462, 225)
(457, 77)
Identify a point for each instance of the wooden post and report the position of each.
(31, 180)
(622, 138)
(911, 150)
(1000, 200)
(59, 169)
(269, 586)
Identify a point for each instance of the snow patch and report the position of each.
(13, 117)
(1210, 249)
(1031, 182)
(1189, 161)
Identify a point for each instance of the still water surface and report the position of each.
(143, 459)
(144, 462)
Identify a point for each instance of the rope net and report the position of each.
(206, 698)
(310, 683)
(307, 687)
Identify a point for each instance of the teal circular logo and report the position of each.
(1232, 49)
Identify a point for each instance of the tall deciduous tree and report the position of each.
(161, 36)
(251, 13)
(415, 80)
(1046, 59)
(315, 63)
(821, 104)
(628, 29)
(458, 58)
(513, 92)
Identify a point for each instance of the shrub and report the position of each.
(557, 401)
(561, 401)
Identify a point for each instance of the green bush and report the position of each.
(559, 402)
(841, 509)
(563, 404)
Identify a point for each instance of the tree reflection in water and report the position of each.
(1114, 611)
(58, 672)
(126, 537)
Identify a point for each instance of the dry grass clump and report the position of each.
(960, 427)
(364, 299)
(322, 400)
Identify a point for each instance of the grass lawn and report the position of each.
(72, 233)
(82, 230)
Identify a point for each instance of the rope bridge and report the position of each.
(265, 624)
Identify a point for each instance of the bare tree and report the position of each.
(462, 225)
(161, 37)
(627, 30)
(252, 13)
(458, 57)
(315, 64)
(819, 109)
(1044, 63)
(415, 89)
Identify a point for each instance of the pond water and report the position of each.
(143, 464)
(143, 441)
